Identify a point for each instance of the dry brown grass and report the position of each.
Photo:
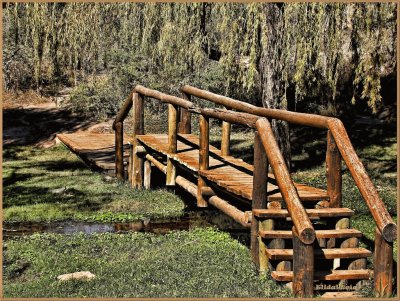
(18, 99)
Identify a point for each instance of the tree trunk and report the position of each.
(271, 75)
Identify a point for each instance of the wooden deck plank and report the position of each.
(232, 174)
(312, 213)
(340, 233)
(94, 148)
(287, 254)
(326, 275)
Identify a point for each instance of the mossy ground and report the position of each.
(53, 184)
(197, 263)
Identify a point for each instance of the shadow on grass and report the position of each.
(308, 145)
(14, 178)
(29, 126)
(60, 165)
(20, 195)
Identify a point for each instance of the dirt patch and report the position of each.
(30, 119)
(27, 98)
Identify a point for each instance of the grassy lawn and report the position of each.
(53, 184)
(197, 263)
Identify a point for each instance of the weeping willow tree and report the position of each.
(279, 55)
(325, 54)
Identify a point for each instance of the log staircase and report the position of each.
(339, 261)
(301, 235)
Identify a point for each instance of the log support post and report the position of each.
(303, 267)
(130, 162)
(185, 118)
(225, 139)
(119, 151)
(259, 197)
(138, 129)
(172, 144)
(147, 174)
(383, 266)
(333, 172)
(203, 158)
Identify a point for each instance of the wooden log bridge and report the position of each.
(299, 234)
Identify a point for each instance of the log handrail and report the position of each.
(382, 218)
(299, 216)
(230, 103)
(123, 111)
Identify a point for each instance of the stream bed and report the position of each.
(190, 220)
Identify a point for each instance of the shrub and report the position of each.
(98, 97)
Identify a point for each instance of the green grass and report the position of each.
(196, 263)
(380, 162)
(53, 184)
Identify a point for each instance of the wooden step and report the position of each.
(341, 295)
(312, 213)
(287, 254)
(342, 233)
(326, 275)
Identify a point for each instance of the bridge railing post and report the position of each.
(383, 266)
(225, 138)
(259, 199)
(172, 144)
(138, 129)
(303, 267)
(185, 118)
(333, 172)
(119, 151)
(203, 158)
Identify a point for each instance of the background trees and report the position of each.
(318, 57)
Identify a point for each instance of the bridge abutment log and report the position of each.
(203, 157)
(138, 129)
(185, 118)
(172, 144)
(279, 243)
(343, 223)
(259, 194)
(303, 267)
(333, 172)
(383, 266)
(225, 138)
(119, 151)
(263, 261)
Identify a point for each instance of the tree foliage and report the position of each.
(325, 50)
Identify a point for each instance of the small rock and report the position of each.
(84, 275)
(146, 221)
(108, 178)
(59, 190)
